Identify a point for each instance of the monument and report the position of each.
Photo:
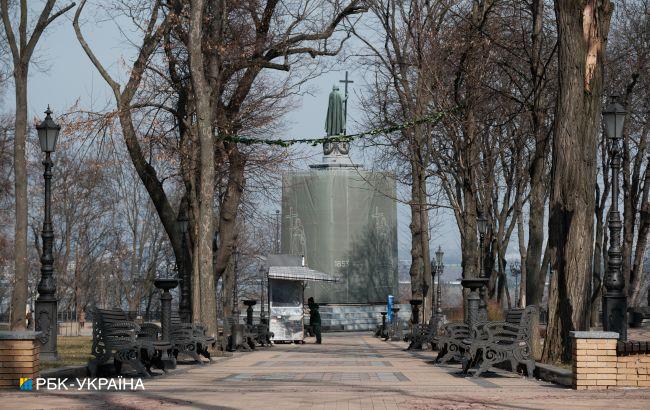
(343, 219)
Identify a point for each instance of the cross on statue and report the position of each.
(345, 104)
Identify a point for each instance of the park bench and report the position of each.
(116, 336)
(240, 337)
(507, 341)
(456, 337)
(423, 334)
(190, 339)
(395, 328)
(263, 334)
(380, 331)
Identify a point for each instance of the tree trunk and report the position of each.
(21, 273)
(229, 209)
(535, 278)
(582, 32)
(638, 274)
(196, 283)
(597, 279)
(227, 289)
(415, 271)
(630, 194)
(22, 49)
(206, 187)
(521, 292)
(426, 254)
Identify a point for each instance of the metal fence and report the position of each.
(68, 323)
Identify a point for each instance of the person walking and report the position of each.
(314, 319)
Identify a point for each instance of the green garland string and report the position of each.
(432, 118)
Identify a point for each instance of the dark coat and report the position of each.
(314, 314)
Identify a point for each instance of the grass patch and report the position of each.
(73, 350)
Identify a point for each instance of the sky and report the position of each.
(63, 76)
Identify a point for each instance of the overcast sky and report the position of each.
(64, 76)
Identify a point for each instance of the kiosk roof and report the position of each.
(300, 273)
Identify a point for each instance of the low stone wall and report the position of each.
(19, 357)
(598, 365)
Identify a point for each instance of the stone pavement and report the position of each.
(348, 371)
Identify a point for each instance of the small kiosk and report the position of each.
(286, 287)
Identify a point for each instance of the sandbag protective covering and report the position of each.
(344, 220)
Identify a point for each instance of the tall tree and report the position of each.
(403, 65)
(533, 274)
(582, 32)
(628, 64)
(269, 37)
(22, 45)
(205, 221)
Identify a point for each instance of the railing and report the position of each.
(68, 323)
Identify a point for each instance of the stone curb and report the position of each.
(553, 374)
(19, 335)
(593, 335)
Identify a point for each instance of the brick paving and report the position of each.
(348, 371)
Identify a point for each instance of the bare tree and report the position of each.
(22, 45)
(206, 290)
(267, 33)
(582, 32)
(627, 75)
(402, 65)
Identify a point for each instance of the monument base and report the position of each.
(355, 318)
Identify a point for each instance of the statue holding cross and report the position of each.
(335, 122)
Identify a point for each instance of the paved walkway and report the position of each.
(349, 371)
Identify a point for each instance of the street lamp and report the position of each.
(434, 271)
(262, 313)
(482, 231)
(440, 269)
(46, 303)
(184, 308)
(515, 271)
(614, 298)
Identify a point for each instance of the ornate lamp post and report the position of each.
(434, 270)
(440, 269)
(482, 231)
(614, 298)
(185, 307)
(46, 303)
(262, 313)
(515, 271)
